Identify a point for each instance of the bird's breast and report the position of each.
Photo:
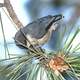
(45, 38)
(37, 42)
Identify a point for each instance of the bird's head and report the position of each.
(53, 24)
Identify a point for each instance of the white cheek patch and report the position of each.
(54, 26)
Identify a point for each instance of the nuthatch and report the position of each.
(38, 32)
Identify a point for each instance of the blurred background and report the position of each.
(29, 10)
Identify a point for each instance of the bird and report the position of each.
(37, 32)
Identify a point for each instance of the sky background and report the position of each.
(21, 8)
(25, 15)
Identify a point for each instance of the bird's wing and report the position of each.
(37, 28)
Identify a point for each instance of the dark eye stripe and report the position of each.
(53, 20)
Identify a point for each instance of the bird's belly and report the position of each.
(38, 42)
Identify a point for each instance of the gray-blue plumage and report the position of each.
(37, 29)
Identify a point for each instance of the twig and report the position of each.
(5, 44)
(12, 14)
(10, 18)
